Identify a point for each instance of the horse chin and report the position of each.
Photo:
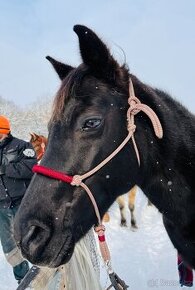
(64, 255)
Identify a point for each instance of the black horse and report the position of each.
(88, 123)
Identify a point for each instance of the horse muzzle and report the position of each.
(40, 245)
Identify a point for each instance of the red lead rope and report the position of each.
(49, 172)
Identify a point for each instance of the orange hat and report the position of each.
(4, 125)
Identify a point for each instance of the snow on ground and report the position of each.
(145, 259)
(6, 278)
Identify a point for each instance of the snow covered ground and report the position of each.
(145, 259)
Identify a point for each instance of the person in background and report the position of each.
(17, 158)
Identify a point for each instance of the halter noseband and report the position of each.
(135, 106)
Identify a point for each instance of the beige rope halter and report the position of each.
(135, 106)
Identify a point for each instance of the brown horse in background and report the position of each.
(131, 205)
(39, 142)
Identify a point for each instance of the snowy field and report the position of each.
(145, 259)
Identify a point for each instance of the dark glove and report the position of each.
(2, 169)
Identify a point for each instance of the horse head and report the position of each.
(88, 122)
(39, 142)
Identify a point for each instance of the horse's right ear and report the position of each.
(61, 68)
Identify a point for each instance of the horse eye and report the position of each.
(91, 124)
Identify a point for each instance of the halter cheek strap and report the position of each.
(135, 106)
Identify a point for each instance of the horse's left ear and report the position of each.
(95, 54)
(61, 68)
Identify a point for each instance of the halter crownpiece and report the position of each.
(135, 106)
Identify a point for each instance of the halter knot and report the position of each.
(76, 180)
(133, 109)
(133, 100)
(131, 127)
(100, 229)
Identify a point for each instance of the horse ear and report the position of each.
(95, 53)
(61, 68)
(36, 136)
(32, 136)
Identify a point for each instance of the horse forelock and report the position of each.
(73, 81)
(67, 90)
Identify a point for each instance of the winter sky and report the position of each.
(157, 36)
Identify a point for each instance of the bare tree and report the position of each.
(33, 118)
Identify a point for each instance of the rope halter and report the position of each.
(135, 106)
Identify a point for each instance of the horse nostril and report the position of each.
(37, 235)
(33, 230)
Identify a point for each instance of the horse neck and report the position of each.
(163, 176)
